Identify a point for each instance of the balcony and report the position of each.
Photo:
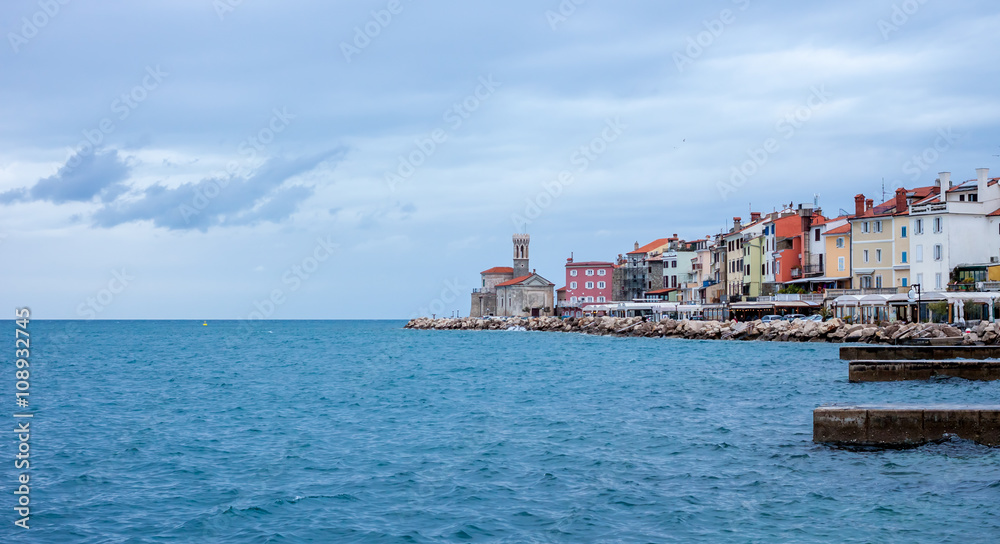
(812, 270)
(834, 293)
(988, 285)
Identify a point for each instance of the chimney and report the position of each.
(944, 183)
(901, 200)
(754, 216)
(869, 204)
(983, 175)
(636, 246)
(737, 223)
(859, 205)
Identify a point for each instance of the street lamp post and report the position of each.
(910, 296)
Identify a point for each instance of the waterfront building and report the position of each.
(643, 269)
(838, 253)
(801, 250)
(484, 298)
(880, 237)
(514, 291)
(753, 256)
(677, 265)
(588, 282)
(954, 234)
(715, 292)
(733, 242)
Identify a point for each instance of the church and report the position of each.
(515, 291)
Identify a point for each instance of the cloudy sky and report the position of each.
(207, 159)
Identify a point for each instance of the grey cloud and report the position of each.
(83, 177)
(220, 201)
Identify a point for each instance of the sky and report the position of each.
(239, 159)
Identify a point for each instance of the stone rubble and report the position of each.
(800, 330)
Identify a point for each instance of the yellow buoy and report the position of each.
(205, 324)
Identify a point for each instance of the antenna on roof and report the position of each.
(883, 189)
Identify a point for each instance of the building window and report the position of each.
(673, 264)
(877, 226)
(572, 300)
(817, 235)
(920, 254)
(572, 273)
(937, 252)
(601, 285)
(920, 278)
(866, 282)
(904, 257)
(602, 272)
(904, 232)
(878, 255)
(918, 226)
(589, 284)
(878, 282)
(905, 282)
(866, 255)
(572, 285)
(864, 227)
(974, 197)
(601, 299)
(590, 272)
(840, 243)
(938, 224)
(841, 264)
(590, 299)
(937, 280)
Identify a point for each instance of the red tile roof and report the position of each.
(563, 288)
(995, 214)
(661, 291)
(843, 229)
(514, 281)
(652, 245)
(499, 270)
(590, 264)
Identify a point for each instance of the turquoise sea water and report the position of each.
(318, 431)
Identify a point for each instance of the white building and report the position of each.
(960, 226)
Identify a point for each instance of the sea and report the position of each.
(365, 432)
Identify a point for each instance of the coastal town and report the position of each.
(925, 254)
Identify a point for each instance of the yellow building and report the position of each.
(880, 255)
(838, 252)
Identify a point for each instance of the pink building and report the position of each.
(586, 283)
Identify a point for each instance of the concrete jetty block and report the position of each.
(916, 353)
(898, 426)
(894, 370)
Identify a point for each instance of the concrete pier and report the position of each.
(894, 371)
(917, 353)
(899, 426)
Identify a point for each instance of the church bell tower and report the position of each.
(521, 242)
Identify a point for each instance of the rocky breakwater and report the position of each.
(800, 330)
